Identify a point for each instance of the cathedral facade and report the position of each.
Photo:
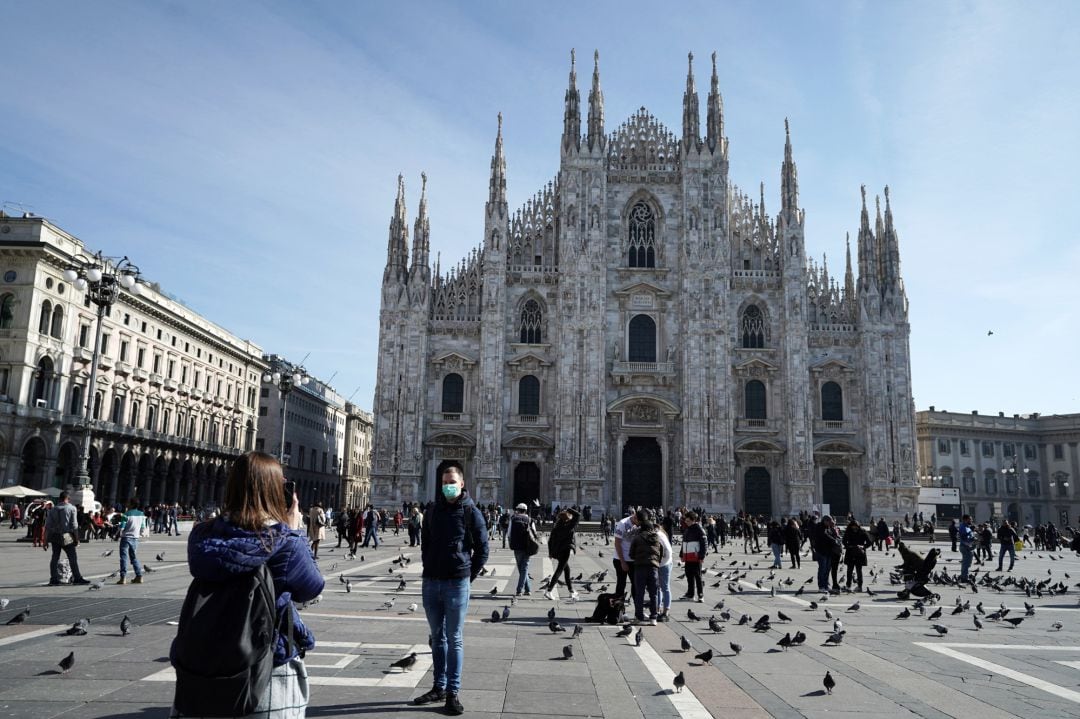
(643, 332)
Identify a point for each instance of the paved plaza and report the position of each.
(885, 667)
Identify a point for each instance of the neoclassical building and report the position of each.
(642, 331)
(175, 400)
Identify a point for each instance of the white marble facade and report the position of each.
(643, 331)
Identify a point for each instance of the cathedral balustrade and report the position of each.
(756, 274)
(833, 426)
(814, 327)
(457, 419)
(528, 420)
(638, 367)
(744, 424)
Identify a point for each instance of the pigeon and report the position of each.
(942, 631)
(125, 626)
(20, 617)
(1029, 610)
(495, 616)
(783, 617)
(401, 585)
(813, 606)
(828, 682)
(626, 631)
(978, 624)
(348, 589)
(405, 663)
(1015, 621)
(551, 614)
(578, 629)
(691, 616)
(705, 657)
(835, 638)
(555, 627)
(639, 637)
(935, 615)
(160, 557)
(685, 644)
(714, 625)
(854, 607)
(735, 647)
(798, 640)
(568, 651)
(78, 629)
(94, 586)
(505, 613)
(680, 682)
(785, 641)
(828, 614)
(837, 625)
(1057, 626)
(904, 614)
(413, 607)
(67, 663)
(389, 603)
(494, 591)
(4, 601)
(107, 553)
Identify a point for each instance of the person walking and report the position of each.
(793, 542)
(856, 540)
(260, 526)
(62, 533)
(316, 528)
(694, 548)
(966, 538)
(454, 549)
(131, 526)
(1007, 539)
(521, 529)
(646, 551)
(341, 526)
(663, 578)
(827, 549)
(415, 520)
(775, 538)
(561, 544)
(371, 526)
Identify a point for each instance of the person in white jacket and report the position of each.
(663, 584)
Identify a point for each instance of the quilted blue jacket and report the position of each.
(217, 551)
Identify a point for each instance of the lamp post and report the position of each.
(286, 382)
(1014, 474)
(102, 278)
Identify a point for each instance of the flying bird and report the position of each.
(67, 663)
(107, 553)
(405, 663)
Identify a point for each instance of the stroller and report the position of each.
(915, 572)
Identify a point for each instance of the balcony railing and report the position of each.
(183, 389)
(643, 367)
(156, 379)
(833, 426)
(82, 354)
(140, 374)
(169, 383)
(743, 424)
(453, 418)
(123, 368)
(531, 420)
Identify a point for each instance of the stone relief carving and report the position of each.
(642, 412)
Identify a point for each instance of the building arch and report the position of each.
(529, 395)
(641, 339)
(832, 402)
(56, 326)
(67, 464)
(34, 453)
(754, 329)
(45, 382)
(7, 311)
(643, 222)
(107, 472)
(532, 311)
(45, 319)
(453, 393)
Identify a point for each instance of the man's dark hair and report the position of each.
(63, 495)
(452, 467)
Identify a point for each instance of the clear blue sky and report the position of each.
(246, 154)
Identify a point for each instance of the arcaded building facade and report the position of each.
(644, 332)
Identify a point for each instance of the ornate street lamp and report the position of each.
(102, 278)
(286, 382)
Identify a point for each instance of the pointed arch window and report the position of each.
(642, 345)
(529, 395)
(453, 393)
(532, 322)
(832, 402)
(7, 311)
(756, 405)
(752, 327)
(642, 236)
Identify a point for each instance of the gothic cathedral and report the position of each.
(642, 332)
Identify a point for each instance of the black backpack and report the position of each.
(224, 648)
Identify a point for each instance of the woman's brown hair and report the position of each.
(255, 492)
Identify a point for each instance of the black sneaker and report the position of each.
(453, 706)
(81, 581)
(435, 695)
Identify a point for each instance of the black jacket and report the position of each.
(694, 533)
(443, 546)
(519, 529)
(561, 540)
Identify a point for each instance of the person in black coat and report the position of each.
(793, 542)
(856, 540)
(561, 544)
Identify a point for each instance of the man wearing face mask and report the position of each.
(454, 548)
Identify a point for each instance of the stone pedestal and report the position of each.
(84, 497)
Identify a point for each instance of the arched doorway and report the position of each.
(67, 464)
(107, 473)
(642, 473)
(836, 491)
(526, 483)
(757, 492)
(1014, 512)
(33, 464)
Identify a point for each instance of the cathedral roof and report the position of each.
(642, 143)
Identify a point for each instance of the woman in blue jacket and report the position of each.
(257, 527)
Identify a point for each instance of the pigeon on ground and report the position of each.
(551, 614)
(1015, 621)
(978, 624)
(935, 615)
(107, 553)
(94, 586)
(828, 682)
(715, 626)
(413, 607)
(401, 585)
(835, 638)
(405, 663)
(705, 657)
(125, 626)
(389, 603)
(942, 631)
(783, 617)
(626, 631)
(828, 614)
(685, 644)
(568, 651)
(680, 682)
(904, 614)
(798, 640)
(639, 637)
(20, 617)
(495, 616)
(348, 588)
(578, 629)
(1057, 626)
(854, 607)
(160, 557)
(494, 592)
(691, 616)
(67, 663)
(76, 630)
(735, 647)
(555, 627)
(785, 641)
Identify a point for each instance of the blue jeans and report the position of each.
(445, 603)
(129, 545)
(522, 559)
(645, 578)
(371, 535)
(966, 555)
(823, 561)
(664, 585)
(778, 555)
(1011, 549)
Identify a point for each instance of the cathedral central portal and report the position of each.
(642, 473)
